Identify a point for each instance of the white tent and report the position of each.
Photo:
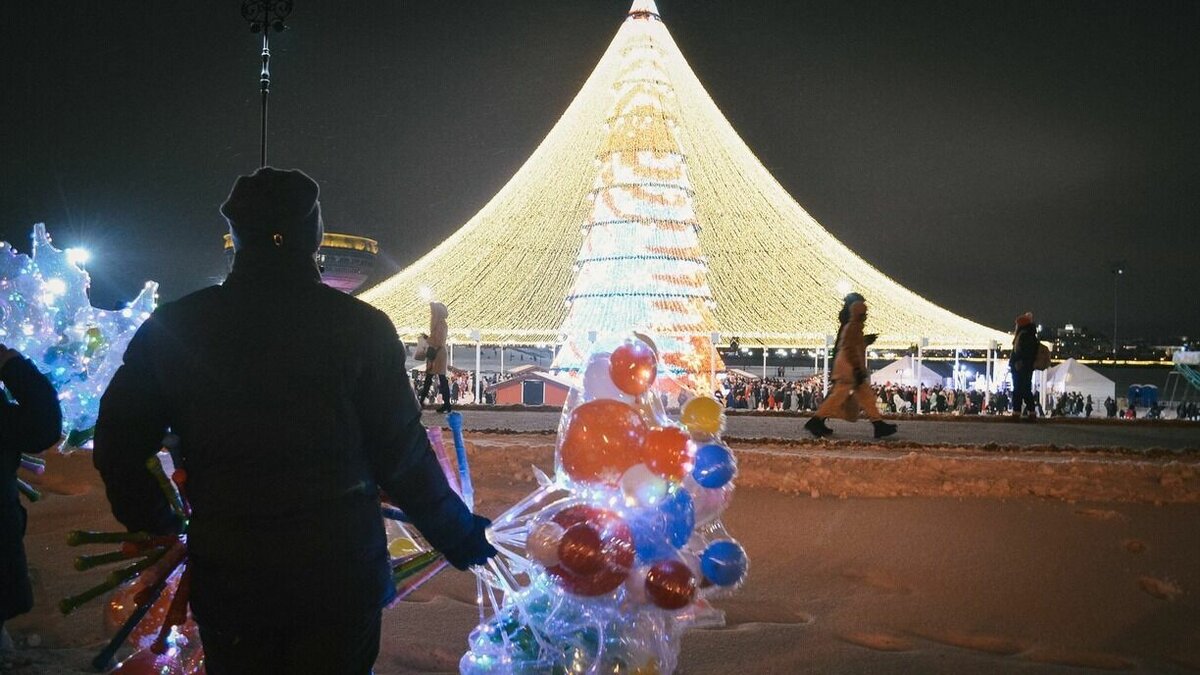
(1071, 375)
(901, 372)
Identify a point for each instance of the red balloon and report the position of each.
(146, 662)
(604, 438)
(579, 551)
(615, 551)
(670, 584)
(121, 606)
(666, 452)
(633, 367)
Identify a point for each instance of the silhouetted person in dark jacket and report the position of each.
(1024, 353)
(292, 404)
(31, 425)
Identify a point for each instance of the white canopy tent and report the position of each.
(902, 372)
(1073, 376)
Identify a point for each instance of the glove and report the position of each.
(870, 338)
(474, 549)
(860, 376)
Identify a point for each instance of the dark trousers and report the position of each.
(16, 592)
(1023, 392)
(332, 648)
(443, 386)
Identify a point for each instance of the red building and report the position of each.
(531, 386)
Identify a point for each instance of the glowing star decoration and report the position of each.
(45, 314)
(644, 200)
(605, 565)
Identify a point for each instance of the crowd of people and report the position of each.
(806, 394)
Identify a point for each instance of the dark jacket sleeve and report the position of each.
(1025, 351)
(401, 458)
(35, 423)
(129, 430)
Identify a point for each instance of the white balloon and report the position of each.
(642, 486)
(635, 585)
(708, 503)
(542, 543)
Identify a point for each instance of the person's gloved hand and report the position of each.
(870, 338)
(860, 376)
(475, 549)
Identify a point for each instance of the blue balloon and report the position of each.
(724, 562)
(659, 531)
(714, 466)
(680, 514)
(649, 530)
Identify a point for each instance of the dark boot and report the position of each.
(816, 426)
(883, 428)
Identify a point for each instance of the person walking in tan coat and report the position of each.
(852, 387)
(435, 355)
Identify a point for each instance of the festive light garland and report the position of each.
(775, 274)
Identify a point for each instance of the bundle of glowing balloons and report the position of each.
(45, 314)
(605, 565)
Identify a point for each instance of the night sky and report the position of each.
(992, 156)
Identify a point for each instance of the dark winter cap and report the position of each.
(275, 208)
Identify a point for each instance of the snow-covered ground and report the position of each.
(865, 558)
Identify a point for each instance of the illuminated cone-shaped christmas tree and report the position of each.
(641, 263)
(755, 237)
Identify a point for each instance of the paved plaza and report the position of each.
(1078, 433)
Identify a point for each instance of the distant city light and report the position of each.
(78, 256)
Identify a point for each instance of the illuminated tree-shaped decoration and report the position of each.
(776, 274)
(45, 314)
(641, 263)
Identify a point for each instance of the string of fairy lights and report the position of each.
(777, 276)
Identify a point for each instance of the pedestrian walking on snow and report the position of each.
(852, 391)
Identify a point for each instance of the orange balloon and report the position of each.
(666, 452)
(633, 367)
(604, 438)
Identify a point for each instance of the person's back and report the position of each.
(262, 376)
(292, 405)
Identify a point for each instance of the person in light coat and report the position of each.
(435, 355)
(852, 383)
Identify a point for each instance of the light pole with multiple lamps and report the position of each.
(265, 16)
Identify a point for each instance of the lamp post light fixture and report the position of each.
(265, 16)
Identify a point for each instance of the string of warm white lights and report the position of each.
(642, 209)
(775, 274)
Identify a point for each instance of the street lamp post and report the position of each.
(265, 16)
(1118, 270)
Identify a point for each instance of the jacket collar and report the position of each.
(269, 267)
